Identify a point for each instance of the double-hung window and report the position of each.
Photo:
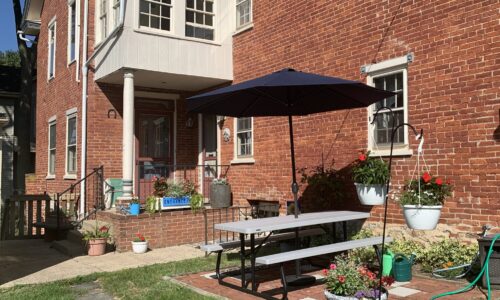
(72, 30)
(103, 18)
(200, 19)
(244, 138)
(116, 13)
(71, 143)
(243, 13)
(52, 148)
(155, 14)
(391, 76)
(51, 62)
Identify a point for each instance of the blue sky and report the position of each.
(7, 26)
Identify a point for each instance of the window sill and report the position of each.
(395, 152)
(243, 28)
(69, 176)
(240, 161)
(167, 34)
(71, 62)
(50, 177)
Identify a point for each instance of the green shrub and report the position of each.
(365, 255)
(407, 247)
(447, 253)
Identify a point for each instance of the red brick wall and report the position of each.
(452, 87)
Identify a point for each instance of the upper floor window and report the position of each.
(243, 13)
(155, 14)
(244, 137)
(200, 19)
(391, 76)
(71, 143)
(51, 63)
(116, 12)
(103, 18)
(52, 148)
(72, 30)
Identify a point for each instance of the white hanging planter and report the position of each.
(140, 247)
(422, 217)
(371, 194)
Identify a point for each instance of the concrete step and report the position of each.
(75, 236)
(69, 248)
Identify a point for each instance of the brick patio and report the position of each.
(419, 288)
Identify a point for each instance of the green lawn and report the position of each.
(139, 283)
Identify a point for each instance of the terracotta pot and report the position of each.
(97, 247)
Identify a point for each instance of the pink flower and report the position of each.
(333, 267)
(341, 278)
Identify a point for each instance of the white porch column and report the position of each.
(128, 133)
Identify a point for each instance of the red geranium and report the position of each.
(439, 181)
(426, 177)
(103, 229)
(362, 157)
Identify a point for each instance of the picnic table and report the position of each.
(273, 224)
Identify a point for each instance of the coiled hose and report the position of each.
(473, 283)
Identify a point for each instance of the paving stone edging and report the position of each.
(193, 288)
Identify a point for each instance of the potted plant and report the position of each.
(347, 280)
(160, 186)
(177, 195)
(220, 193)
(370, 177)
(423, 199)
(152, 204)
(96, 240)
(134, 206)
(139, 244)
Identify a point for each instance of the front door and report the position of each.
(154, 145)
(209, 151)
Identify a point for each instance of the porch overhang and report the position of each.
(30, 24)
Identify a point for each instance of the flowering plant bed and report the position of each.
(347, 280)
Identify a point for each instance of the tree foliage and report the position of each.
(10, 58)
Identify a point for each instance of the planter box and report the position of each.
(177, 202)
(220, 195)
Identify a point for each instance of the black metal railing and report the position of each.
(200, 175)
(214, 216)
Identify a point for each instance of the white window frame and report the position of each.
(52, 122)
(240, 27)
(158, 30)
(194, 24)
(102, 20)
(115, 6)
(386, 68)
(76, 3)
(71, 113)
(51, 61)
(248, 159)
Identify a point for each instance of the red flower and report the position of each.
(103, 229)
(362, 157)
(387, 280)
(341, 278)
(426, 177)
(141, 237)
(448, 181)
(325, 272)
(439, 181)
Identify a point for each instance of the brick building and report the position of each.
(143, 61)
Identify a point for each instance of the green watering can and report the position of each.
(387, 263)
(401, 267)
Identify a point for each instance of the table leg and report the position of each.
(252, 261)
(242, 258)
(297, 246)
(334, 233)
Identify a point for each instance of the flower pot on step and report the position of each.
(97, 247)
(422, 217)
(140, 247)
(371, 194)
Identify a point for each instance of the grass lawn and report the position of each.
(139, 283)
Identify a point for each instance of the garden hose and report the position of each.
(483, 270)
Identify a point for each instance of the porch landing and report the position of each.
(34, 261)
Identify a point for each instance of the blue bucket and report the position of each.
(134, 209)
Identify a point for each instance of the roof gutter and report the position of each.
(85, 73)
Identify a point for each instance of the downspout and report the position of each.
(85, 73)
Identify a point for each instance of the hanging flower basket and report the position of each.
(423, 217)
(422, 201)
(370, 175)
(371, 194)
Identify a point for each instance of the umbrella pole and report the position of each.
(296, 279)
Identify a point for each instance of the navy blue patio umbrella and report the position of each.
(286, 93)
